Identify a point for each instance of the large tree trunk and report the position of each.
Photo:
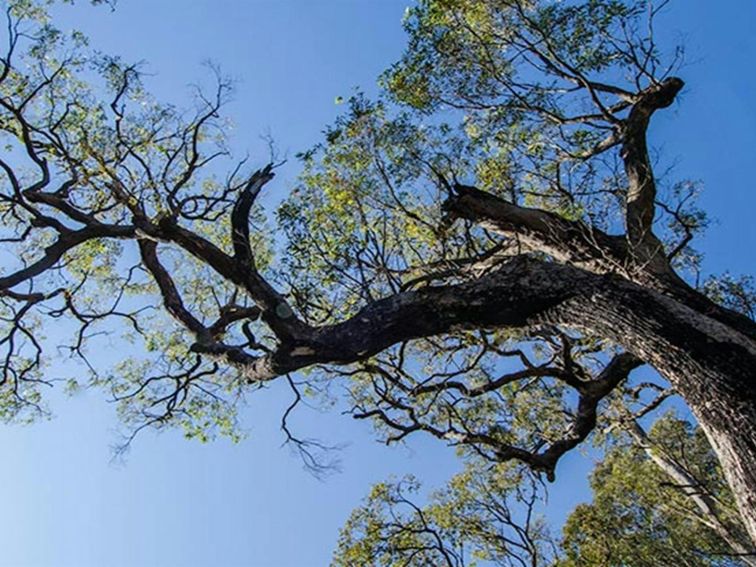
(710, 364)
(726, 409)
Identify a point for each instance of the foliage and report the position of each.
(485, 514)
(490, 515)
(639, 515)
(737, 293)
(451, 256)
(111, 152)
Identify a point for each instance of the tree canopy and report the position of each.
(483, 255)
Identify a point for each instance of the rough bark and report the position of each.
(711, 365)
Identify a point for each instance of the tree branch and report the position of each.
(641, 195)
(570, 242)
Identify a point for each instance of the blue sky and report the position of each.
(178, 503)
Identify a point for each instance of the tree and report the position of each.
(640, 516)
(489, 275)
(500, 526)
(668, 501)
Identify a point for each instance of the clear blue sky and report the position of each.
(178, 503)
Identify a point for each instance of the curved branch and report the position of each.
(65, 242)
(641, 195)
(567, 241)
(574, 243)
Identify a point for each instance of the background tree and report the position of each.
(660, 495)
(640, 515)
(486, 513)
(489, 275)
